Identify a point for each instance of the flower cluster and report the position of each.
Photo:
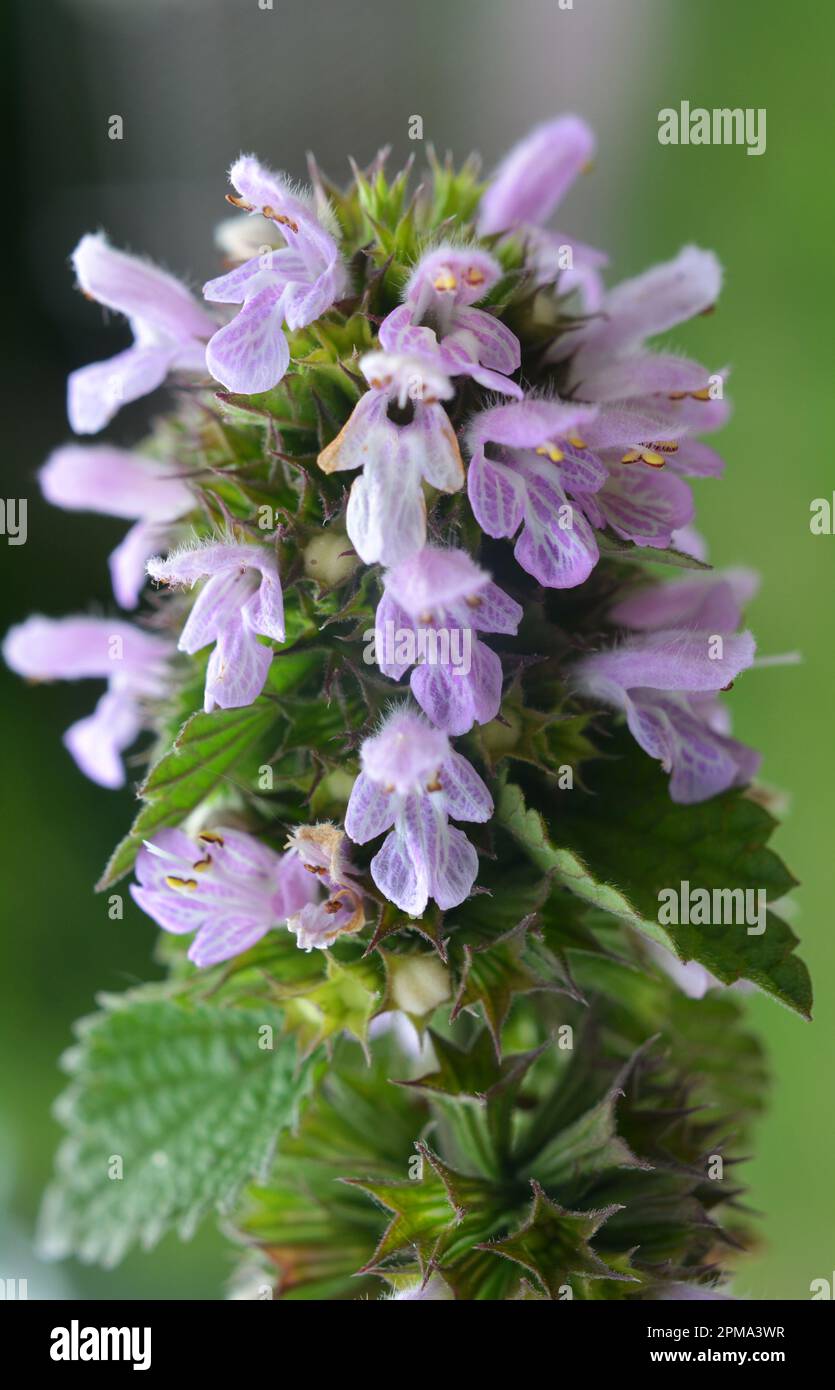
(454, 444)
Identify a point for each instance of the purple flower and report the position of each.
(241, 601)
(432, 605)
(411, 783)
(667, 683)
(169, 330)
(710, 603)
(132, 662)
(222, 884)
(525, 480)
(437, 319)
(526, 189)
(322, 850)
(292, 286)
(400, 436)
(531, 457)
(609, 360)
(115, 482)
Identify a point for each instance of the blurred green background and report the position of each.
(195, 84)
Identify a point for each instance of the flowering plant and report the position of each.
(431, 737)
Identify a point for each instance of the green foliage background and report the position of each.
(770, 220)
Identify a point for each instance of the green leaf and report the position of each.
(612, 547)
(625, 843)
(491, 975)
(169, 1112)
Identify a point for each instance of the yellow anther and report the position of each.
(474, 276)
(703, 395)
(576, 442)
(210, 837)
(239, 203)
(473, 600)
(642, 455)
(201, 865)
(445, 281)
(182, 885)
(552, 452)
(434, 786)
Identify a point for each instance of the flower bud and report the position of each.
(419, 984)
(329, 558)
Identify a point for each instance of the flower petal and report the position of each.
(127, 562)
(251, 353)
(498, 347)
(645, 506)
(497, 496)
(455, 869)
(386, 516)
(453, 698)
(533, 178)
(97, 742)
(96, 393)
(237, 669)
(115, 482)
(402, 878)
(370, 811)
(557, 545)
(138, 289)
(466, 796)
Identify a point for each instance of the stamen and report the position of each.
(240, 203)
(182, 885)
(473, 600)
(473, 275)
(576, 442)
(331, 907)
(315, 868)
(281, 217)
(445, 281)
(436, 785)
(644, 455)
(703, 394)
(210, 837)
(552, 452)
(202, 865)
